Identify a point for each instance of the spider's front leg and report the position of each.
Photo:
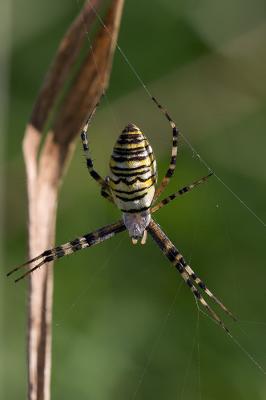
(88, 240)
(171, 168)
(176, 258)
(105, 192)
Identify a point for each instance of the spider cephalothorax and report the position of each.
(131, 186)
(136, 223)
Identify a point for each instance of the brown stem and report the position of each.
(44, 173)
(65, 57)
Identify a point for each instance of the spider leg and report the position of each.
(185, 189)
(105, 191)
(203, 286)
(185, 271)
(106, 194)
(171, 168)
(94, 174)
(88, 240)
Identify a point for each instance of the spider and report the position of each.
(131, 187)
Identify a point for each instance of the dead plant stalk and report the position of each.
(45, 167)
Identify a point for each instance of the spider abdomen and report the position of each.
(133, 171)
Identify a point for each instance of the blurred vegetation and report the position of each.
(124, 325)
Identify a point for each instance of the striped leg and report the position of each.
(171, 168)
(185, 271)
(88, 240)
(105, 192)
(180, 192)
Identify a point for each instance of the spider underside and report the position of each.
(131, 186)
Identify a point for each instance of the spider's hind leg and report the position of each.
(177, 260)
(88, 240)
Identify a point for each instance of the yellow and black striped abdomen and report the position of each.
(133, 171)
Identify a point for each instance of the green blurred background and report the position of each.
(125, 327)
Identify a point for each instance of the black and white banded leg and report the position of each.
(186, 272)
(180, 192)
(172, 165)
(88, 240)
(93, 173)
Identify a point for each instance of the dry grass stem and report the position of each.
(45, 171)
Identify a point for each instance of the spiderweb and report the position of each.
(177, 352)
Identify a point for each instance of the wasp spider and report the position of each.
(131, 186)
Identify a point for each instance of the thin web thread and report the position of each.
(220, 180)
(187, 375)
(199, 362)
(189, 144)
(247, 353)
(88, 286)
(95, 62)
(156, 343)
